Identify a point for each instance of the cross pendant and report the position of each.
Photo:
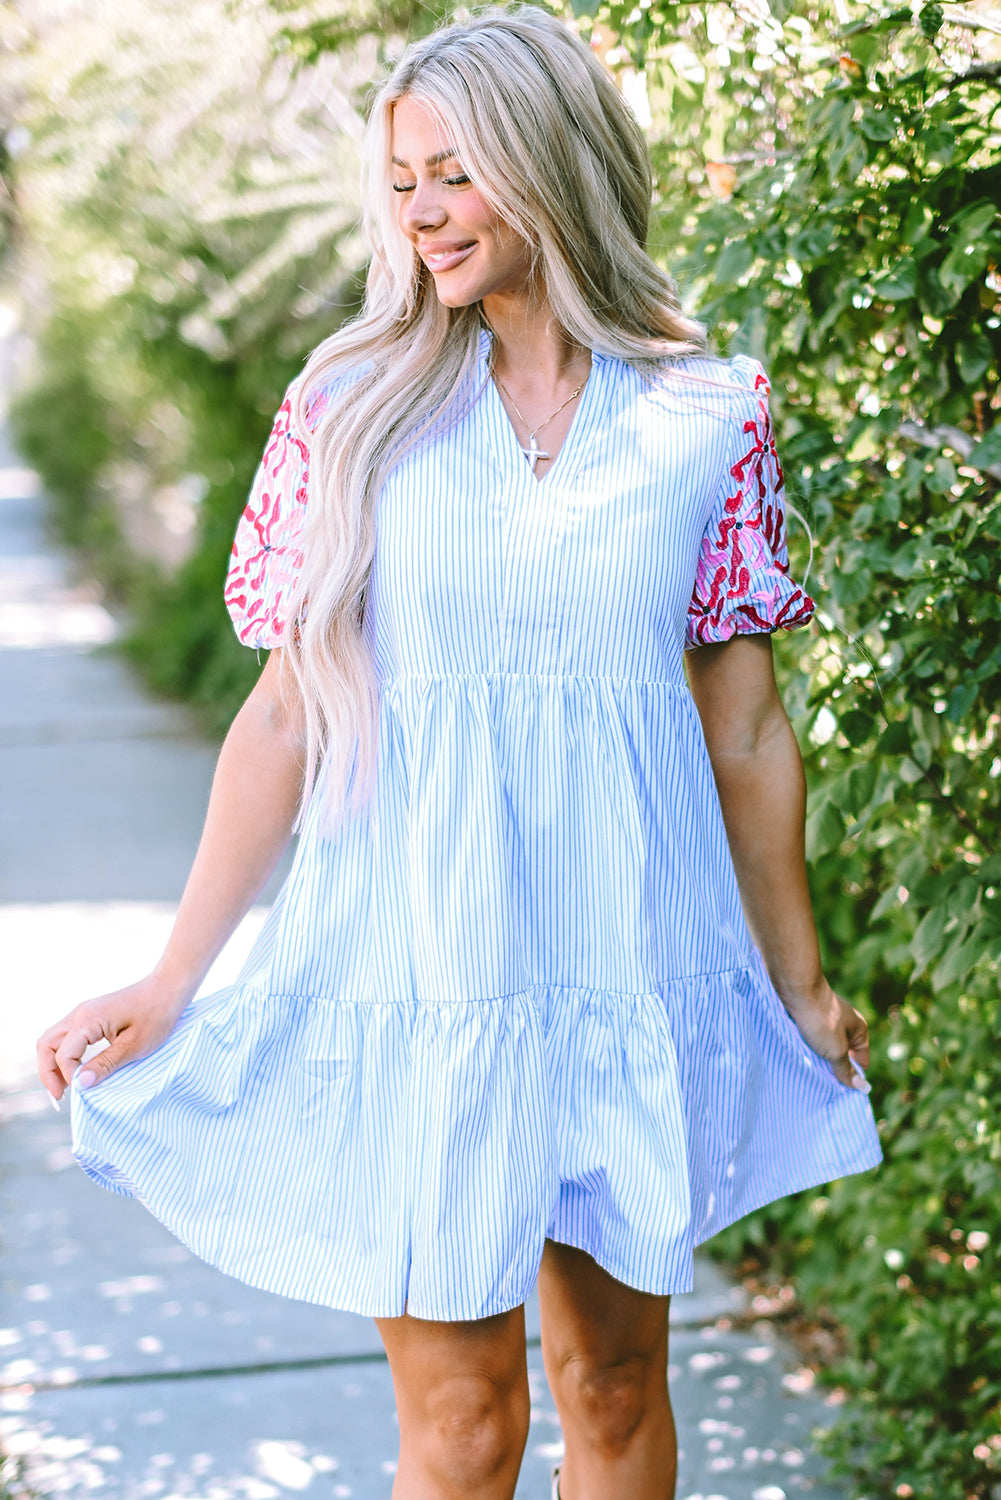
(533, 452)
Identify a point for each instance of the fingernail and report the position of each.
(85, 1079)
(862, 1084)
(55, 1103)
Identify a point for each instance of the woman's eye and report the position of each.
(457, 179)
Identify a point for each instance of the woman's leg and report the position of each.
(605, 1350)
(462, 1399)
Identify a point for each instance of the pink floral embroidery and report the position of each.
(742, 583)
(266, 556)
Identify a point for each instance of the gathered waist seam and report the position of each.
(263, 992)
(660, 682)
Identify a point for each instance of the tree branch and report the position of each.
(984, 72)
(757, 158)
(957, 812)
(984, 20)
(945, 436)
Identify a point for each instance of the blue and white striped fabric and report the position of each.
(515, 998)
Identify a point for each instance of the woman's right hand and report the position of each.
(255, 794)
(134, 1021)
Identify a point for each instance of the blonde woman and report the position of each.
(541, 1000)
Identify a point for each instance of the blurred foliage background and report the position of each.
(180, 210)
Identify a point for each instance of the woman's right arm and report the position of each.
(252, 807)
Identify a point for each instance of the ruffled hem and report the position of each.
(384, 1156)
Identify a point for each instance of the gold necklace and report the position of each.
(533, 452)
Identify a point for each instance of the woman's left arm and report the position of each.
(762, 791)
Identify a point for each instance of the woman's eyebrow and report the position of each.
(430, 161)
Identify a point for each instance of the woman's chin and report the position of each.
(454, 296)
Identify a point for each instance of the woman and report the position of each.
(506, 1021)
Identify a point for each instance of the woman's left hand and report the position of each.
(835, 1030)
(762, 792)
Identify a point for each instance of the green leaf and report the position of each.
(910, 772)
(961, 700)
(939, 142)
(860, 786)
(877, 124)
(851, 585)
(857, 726)
(896, 738)
(912, 866)
(906, 559)
(988, 450)
(887, 901)
(957, 963)
(967, 255)
(973, 356)
(969, 226)
(961, 268)
(962, 900)
(812, 243)
(734, 261)
(900, 283)
(927, 940)
(825, 828)
(930, 19)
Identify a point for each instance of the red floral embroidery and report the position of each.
(266, 556)
(742, 583)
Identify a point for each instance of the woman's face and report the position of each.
(471, 254)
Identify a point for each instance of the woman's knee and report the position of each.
(607, 1403)
(463, 1403)
(474, 1424)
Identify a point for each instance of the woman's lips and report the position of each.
(444, 260)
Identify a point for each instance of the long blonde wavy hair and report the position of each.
(544, 133)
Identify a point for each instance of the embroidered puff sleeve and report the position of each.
(742, 582)
(267, 555)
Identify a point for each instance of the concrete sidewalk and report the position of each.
(128, 1368)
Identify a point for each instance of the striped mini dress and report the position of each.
(514, 997)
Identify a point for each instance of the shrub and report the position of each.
(856, 252)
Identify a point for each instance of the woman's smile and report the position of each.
(445, 257)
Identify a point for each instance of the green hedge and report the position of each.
(178, 632)
(860, 263)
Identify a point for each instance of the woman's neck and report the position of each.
(529, 347)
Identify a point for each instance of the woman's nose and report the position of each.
(423, 209)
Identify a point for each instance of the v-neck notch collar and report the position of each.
(578, 436)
